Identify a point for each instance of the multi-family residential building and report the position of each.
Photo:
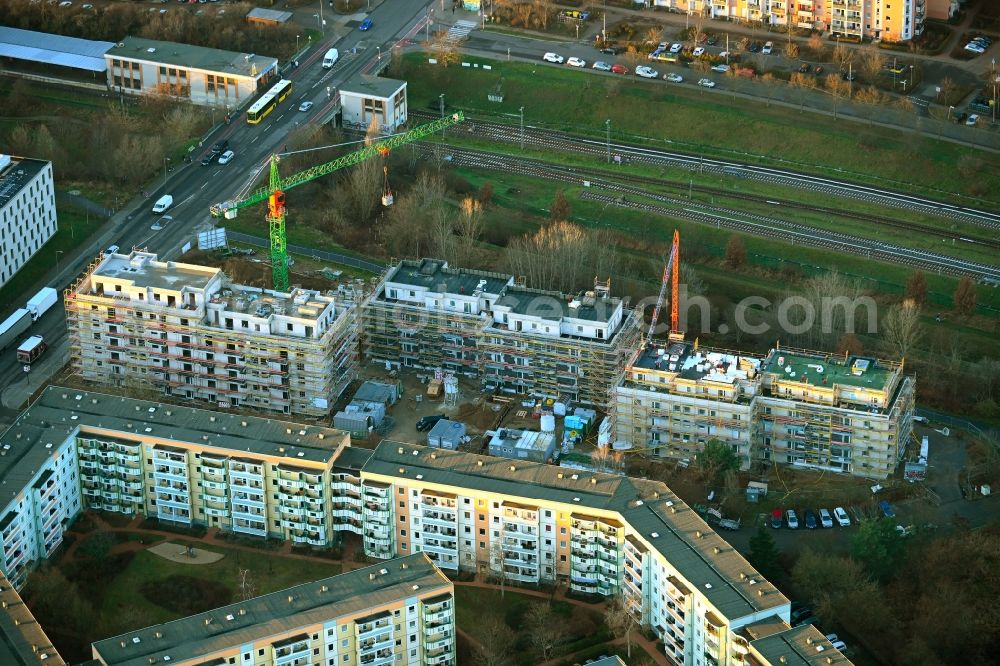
(23, 641)
(191, 333)
(397, 612)
(27, 211)
(794, 407)
(201, 75)
(425, 314)
(602, 533)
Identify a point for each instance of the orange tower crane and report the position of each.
(671, 278)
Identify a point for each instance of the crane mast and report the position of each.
(671, 278)
(274, 191)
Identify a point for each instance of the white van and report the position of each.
(163, 203)
(330, 58)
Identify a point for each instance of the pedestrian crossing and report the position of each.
(459, 32)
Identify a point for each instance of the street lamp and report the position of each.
(379, 54)
(296, 43)
(58, 252)
(607, 125)
(165, 161)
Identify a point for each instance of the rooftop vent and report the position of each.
(708, 586)
(655, 535)
(230, 617)
(513, 468)
(697, 534)
(593, 480)
(383, 571)
(574, 476)
(415, 588)
(158, 634)
(420, 476)
(136, 640)
(416, 453)
(402, 470)
(576, 499)
(324, 588)
(479, 463)
(300, 454)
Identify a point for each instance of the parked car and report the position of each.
(427, 422)
(673, 78)
(791, 519)
(886, 509)
(776, 519)
(817, 70)
(619, 69)
(810, 519)
(676, 47)
(960, 117)
(220, 147)
(305, 106)
(613, 50)
(208, 159)
(226, 157)
(576, 62)
(646, 72)
(755, 47)
(721, 67)
(365, 25)
(553, 57)
(800, 613)
(975, 48)
(706, 83)
(768, 47)
(161, 222)
(842, 518)
(825, 519)
(699, 51)
(831, 637)
(712, 40)
(848, 76)
(112, 250)
(804, 68)
(972, 120)
(601, 66)
(839, 645)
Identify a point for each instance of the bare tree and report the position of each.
(901, 328)
(842, 55)
(736, 251)
(633, 58)
(560, 208)
(916, 288)
(871, 62)
(816, 45)
(470, 228)
(498, 572)
(246, 585)
(545, 630)
(362, 181)
(620, 621)
(495, 643)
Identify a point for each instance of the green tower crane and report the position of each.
(274, 191)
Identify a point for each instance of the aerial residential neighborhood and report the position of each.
(499, 332)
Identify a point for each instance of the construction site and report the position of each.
(191, 333)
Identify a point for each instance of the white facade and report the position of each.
(27, 211)
(366, 98)
(200, 75)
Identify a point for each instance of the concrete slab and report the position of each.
(176, 552)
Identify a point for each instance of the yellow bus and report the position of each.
(270, 99)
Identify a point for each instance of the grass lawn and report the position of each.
(74, 228)
(688, 119)
(269, 573)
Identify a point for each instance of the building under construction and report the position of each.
(425, 314)
(802, 408)
(189, 331)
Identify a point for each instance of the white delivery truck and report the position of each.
(330, 59)
(162, 204)
(13, 327)
(41, 302)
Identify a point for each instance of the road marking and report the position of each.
(254, 139)
(203, 186)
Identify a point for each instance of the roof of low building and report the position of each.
(373, 86)
(193, 57)
(436, 276)
(347, 594)
(274, 15)
(556, 306)
(798, 646)
(49, 49)
(663, 520)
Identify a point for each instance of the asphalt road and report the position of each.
(195, 188)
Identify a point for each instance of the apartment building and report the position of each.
(22, 640)
(27, 211)
(399, 612)
(41, 490)
(603, 533)
(794, 407)
(675, 397)
(425, 314)
(192, 333)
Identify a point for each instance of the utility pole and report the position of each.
(522, 129)
(607, 125)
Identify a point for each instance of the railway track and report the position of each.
(718, 216)
(563, 142)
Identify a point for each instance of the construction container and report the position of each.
(370, 391)
(356, 423)
(548, 423)
(435, 388)
(446, 434)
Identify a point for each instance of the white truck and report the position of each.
(41, 302)
(330, 59)
(31, 349)
(12, 327)
(162, 204)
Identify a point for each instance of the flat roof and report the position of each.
(436, 276)
(20, 633)
(60, 411)
(276, 613)
(556, 306)
(374, 86)
(725, 578)
(50, 49)
(269, 15)
(194, 57)
(15, 177)
(798, 646)
(528, 440)
(827, 370)
(143, 270)
(703, 363)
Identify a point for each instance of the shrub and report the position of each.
(186, 595)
